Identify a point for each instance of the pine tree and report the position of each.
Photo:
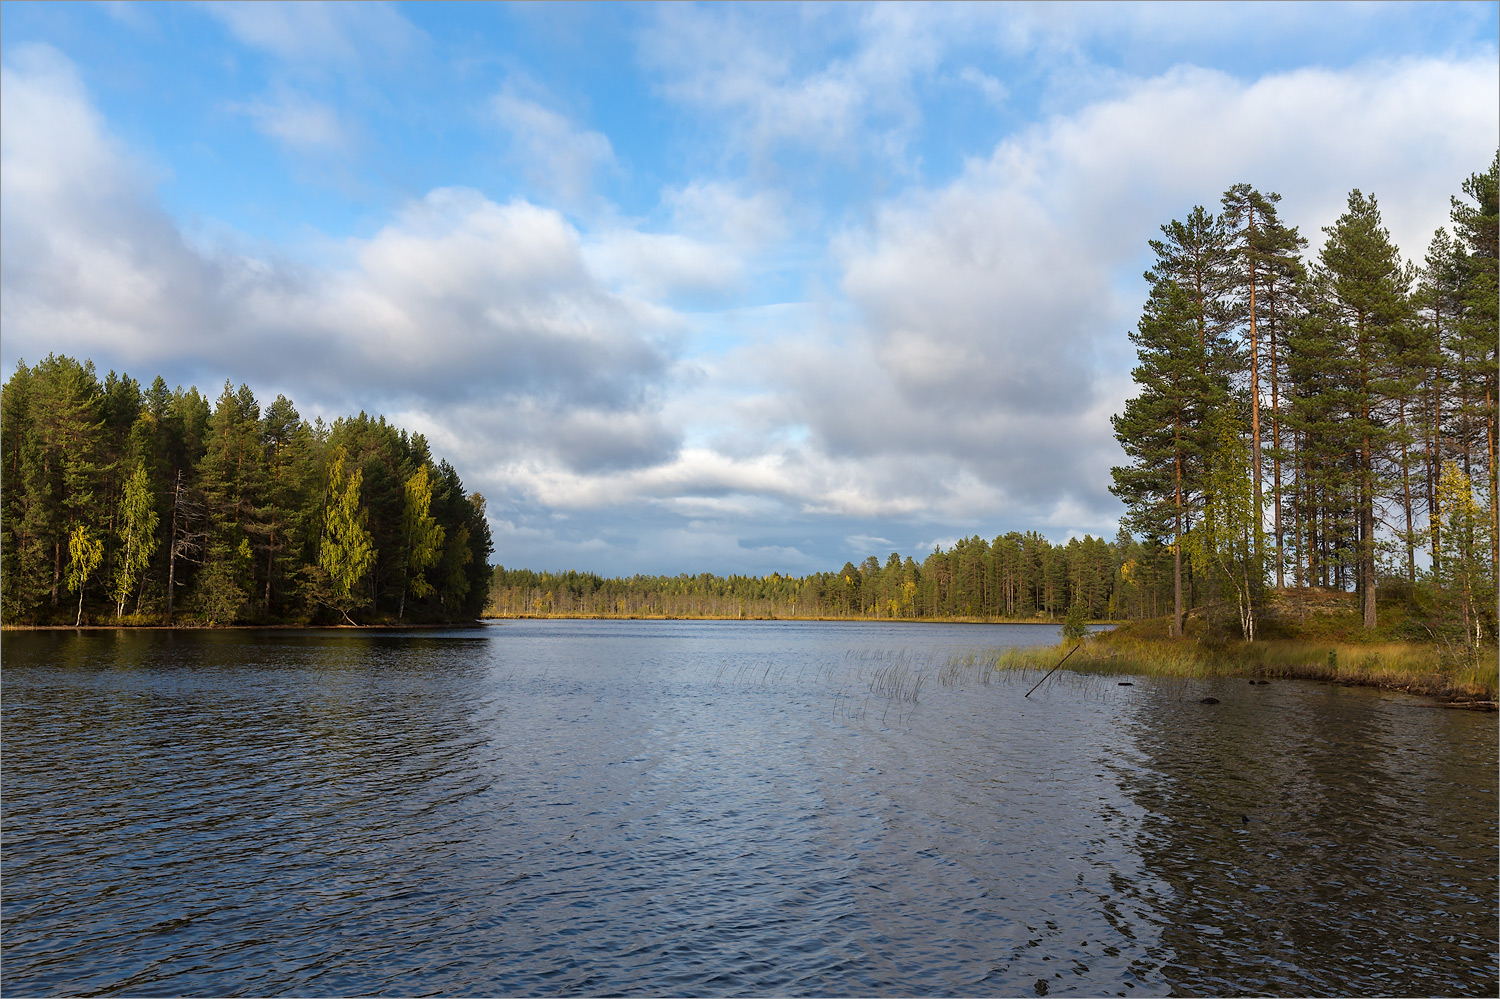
(1260, 300)
(1194, 255)
(1366, 286)
(232, 479)
(1161, 428)
(66, 477)
(1477, 226)
(282, 518)
(1439, 304)
(24, 513)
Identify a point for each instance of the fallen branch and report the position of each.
(1055, 668)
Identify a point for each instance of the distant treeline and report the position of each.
(1015, 577)
(143, 506)
(1328, 422)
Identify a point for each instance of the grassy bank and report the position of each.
(1452, 673)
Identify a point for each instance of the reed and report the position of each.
(898, 681)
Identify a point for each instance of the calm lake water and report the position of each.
(594, 807)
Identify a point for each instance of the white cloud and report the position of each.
(555, 155)
(993, 90)
(299, 122)
(318, 32)
(88, 263)
(756, 70)
(664, 266)
(719, 211)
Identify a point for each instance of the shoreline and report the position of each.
(239, 627)
(484, 621)
(1048, 622)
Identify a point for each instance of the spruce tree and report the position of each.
(281, 520)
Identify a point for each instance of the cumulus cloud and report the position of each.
(88, 263)
(969, 372)
(457, 299)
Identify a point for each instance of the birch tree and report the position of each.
(136, 528)
(347, 551)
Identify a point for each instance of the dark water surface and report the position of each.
(710, 808)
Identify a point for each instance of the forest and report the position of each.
(123, 505)
(1017, 576)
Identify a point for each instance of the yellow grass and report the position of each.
(1454, 673)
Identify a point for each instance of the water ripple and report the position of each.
(685, 808)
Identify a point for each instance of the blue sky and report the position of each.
(696, 288)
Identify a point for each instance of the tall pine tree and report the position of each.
(1366, 286)
(1161, 429)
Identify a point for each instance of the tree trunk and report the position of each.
(1411, 538)
(270, 556)
(1434, 469)
(1176, 629)
(1367, 535)
(1494, 476)
(1255, 462)
(172, 547)
(120, 607)
(1276, 457)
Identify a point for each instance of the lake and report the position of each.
(704, 808)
